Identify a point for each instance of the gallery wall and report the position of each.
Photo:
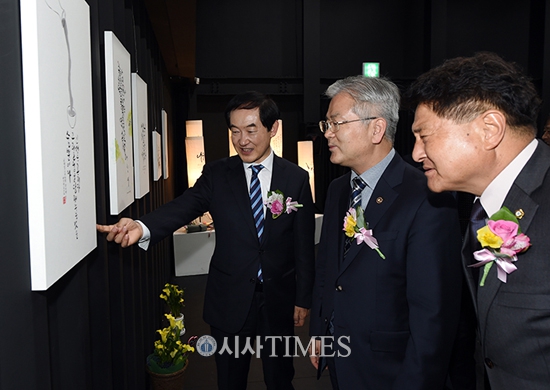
(92, 328)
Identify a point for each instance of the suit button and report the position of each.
(339, 288)
(489, 363)
(326, 320)
(252, 280)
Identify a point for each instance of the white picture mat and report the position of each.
(157, 155)
(165, 171)
(57, 89)
(141, 136)
(119, 124)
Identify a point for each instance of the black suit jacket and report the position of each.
(514, 317)
(401, 313)
(286, 252)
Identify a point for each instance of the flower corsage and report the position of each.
(356, 227)
(277, 204)
(501, 240)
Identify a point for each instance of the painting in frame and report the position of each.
(141, 136)
(119, 124)
(59, 143)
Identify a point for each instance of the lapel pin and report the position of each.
(379, 200)
(519, 214)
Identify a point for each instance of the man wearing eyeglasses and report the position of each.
(386, 300)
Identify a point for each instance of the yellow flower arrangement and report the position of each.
(170, 354)
(173, 296)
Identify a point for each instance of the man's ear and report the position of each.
(378, 130)
(274, 128)
(494, 128)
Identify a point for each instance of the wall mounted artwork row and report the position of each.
(57, 88)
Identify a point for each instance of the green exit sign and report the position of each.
(371, 69)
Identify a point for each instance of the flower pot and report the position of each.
(172, 381)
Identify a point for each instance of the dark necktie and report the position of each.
(257, 206)
(477, 221)
(354, 201)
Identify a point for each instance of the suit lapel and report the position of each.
(518, 198)
(343, 207)
(379, 203)
(468, 259)
(278, 182)
(239, 188)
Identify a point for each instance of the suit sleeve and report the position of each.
(433, 293)
(304, 227)
(171, 216)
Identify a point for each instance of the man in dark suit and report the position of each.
(261, 275)
(390, 308)
(475, 127)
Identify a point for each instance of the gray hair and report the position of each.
(373, 96)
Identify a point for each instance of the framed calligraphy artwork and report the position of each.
(119, 124)
(57, 89)
(141, 136)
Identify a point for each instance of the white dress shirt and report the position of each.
(493, 197)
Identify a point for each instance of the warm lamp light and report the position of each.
(194, 149)
(232, 150)
(194, 128)
(277, 141)
(305, 160)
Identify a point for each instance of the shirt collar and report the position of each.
(373, 174)
(267, 163)
(493, 197)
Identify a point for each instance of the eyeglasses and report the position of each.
(335, 126)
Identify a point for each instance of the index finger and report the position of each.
(104, 228)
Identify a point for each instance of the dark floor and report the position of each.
(201, 372)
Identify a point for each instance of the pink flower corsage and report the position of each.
(277, 204)
(501, 240)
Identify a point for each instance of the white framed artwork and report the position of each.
(119, 124)
(157, 155)
(165, 171)
(57, 93)
(141, 136)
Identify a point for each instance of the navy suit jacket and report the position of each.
(286, 252)
(514, 317)
(401, 313)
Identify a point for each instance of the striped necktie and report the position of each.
(354, 201)
(257, 205)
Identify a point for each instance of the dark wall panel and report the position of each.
(19, 308)
(247, 38)
(493, 25)
(94, 327)
(353, 32)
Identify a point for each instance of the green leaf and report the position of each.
(505, 214)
